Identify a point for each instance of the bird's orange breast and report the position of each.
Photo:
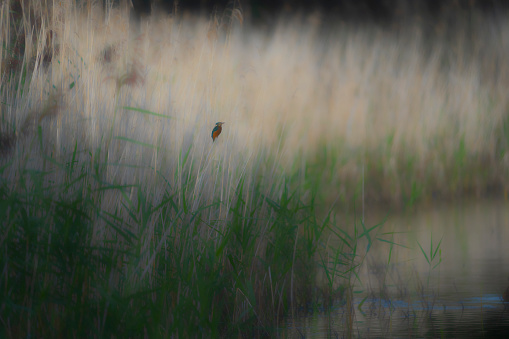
(216, 132)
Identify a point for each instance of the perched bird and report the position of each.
(217, 130)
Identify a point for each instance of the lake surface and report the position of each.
(406, 296)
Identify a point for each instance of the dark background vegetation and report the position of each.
(378, 10)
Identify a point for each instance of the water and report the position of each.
(456, 292)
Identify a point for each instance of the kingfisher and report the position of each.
(217, 130)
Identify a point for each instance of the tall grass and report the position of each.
(121, 217)
(422, 109)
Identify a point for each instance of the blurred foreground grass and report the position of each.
(121, 217)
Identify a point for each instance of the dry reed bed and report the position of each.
(372, 98)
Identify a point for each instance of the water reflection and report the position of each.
(453, 289)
